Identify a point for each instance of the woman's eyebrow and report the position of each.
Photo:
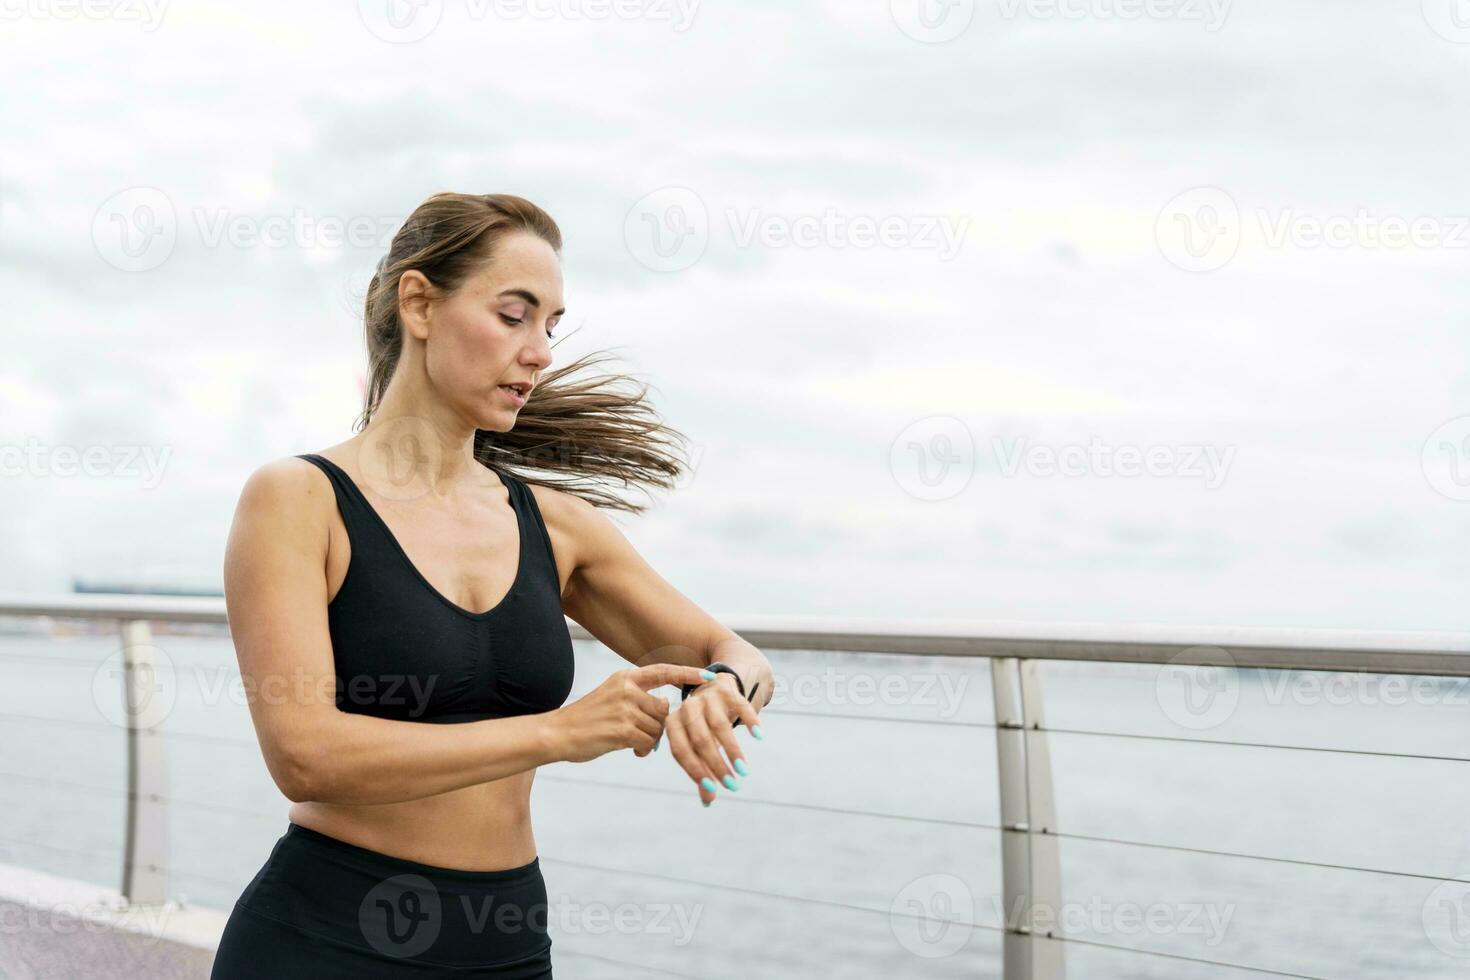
(530, 297)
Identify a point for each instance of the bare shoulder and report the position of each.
(286, 496)
(283, 481)
(568, 519)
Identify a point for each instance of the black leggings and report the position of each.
(322, 909)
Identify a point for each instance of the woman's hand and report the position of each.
(619, 713)
(703, 725)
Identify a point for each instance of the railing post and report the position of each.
(1047, 952)
(145, 847)
(1030, 862)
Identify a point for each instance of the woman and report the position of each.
(397, 605)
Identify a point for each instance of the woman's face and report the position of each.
(493, 331)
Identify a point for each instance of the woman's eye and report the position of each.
(516, 322)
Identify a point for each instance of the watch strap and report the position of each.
(721, 668)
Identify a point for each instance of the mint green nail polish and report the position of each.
(708, 784)
(741, 767)
(708, 675)
(730, 782)
(706, 803)
(756, 731)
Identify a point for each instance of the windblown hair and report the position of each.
(575, 433)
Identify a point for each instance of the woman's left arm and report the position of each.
(622, 601)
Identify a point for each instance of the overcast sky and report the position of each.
(922, 285)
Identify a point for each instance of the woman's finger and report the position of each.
(718, 719)
(656, 675)
(689, 760)
(648, 724)
(707, 747)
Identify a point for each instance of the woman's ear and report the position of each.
(413, 303)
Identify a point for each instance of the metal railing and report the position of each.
(1030, 858)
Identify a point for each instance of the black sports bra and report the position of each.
(404, 651)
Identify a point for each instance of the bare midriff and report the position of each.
(485, 827)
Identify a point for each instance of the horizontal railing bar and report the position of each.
(1187, 959)
(77, 851)
(788, 804)
(1444, 654)
(101, 726)
(776, 709)
(120, 793)
(116, 606)
(1254, 745)
(1266, 858)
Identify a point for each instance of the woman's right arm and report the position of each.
(276, 598)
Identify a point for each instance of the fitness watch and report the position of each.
(720, 668)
